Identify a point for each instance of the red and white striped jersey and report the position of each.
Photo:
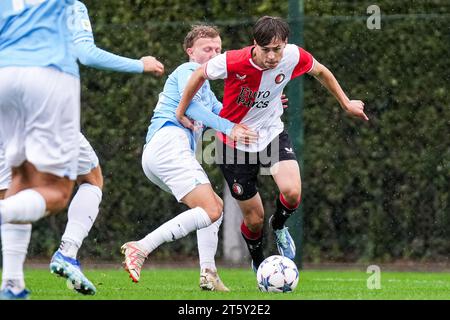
(252, 96)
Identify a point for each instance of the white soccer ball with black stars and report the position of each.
(277, 274)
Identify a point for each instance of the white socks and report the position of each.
(83, 211)
(15, 240)
(29, 206)
(207, 240)
(176, 228)
(24, 207)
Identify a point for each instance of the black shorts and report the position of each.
(241, 168)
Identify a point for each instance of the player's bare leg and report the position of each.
(31, 195)
(83, 211)
(286, 175)
(34, 194)
(252, 228)
(205, 210)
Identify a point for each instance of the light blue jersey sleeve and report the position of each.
(216, 104)
(197, 109)
(199, 112)
(89, 54)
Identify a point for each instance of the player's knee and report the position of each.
(214, 211)
(65, 195)
(219, 203)
(94, 178)
(254, 224)
(59, 200)
(98, 177)
(220, 207)
(292, 196)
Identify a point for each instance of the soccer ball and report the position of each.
(277, 274)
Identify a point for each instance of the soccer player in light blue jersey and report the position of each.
(84, 207)
(40, 113)
(169, 162)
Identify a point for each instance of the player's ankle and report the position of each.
(15, 285)
(69, 249)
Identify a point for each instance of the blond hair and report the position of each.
(198, 32)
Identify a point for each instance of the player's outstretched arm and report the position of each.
(237, 132)
(189, 108)
(194, 84)
(327, 79)
(90, 55)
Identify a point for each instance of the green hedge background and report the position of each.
(376, 191)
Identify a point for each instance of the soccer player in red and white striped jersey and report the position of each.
(255, 77)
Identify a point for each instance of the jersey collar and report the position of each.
(250, 59)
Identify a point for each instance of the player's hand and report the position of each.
(151, 64)
(356, 108)
(284, 101)
(186, 122)
(243, 134)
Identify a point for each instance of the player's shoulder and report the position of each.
(293, 53)
(292, 49)
(187, 67)
(80, 7)
(240, 55)
(238, 59)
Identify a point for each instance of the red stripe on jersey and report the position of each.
(304, 64)
(241, 86)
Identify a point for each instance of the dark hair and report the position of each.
(268, 28)
(200, 31)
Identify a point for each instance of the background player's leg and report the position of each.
(207, 241)
(82, 212)
(205, 211)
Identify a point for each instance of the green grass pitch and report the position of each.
(182, 284)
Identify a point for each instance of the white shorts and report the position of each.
(5, 172)
(169, 162)
(40, 119)
(87, 161)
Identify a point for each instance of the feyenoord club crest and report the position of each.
(279, 78)
(237, 189)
